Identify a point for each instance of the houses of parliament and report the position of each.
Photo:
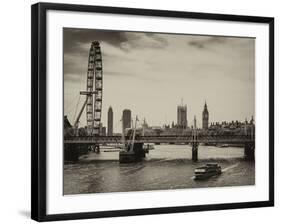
(182, 117)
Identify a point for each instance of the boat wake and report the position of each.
(230, 167)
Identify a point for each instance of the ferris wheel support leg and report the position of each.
(79, 115)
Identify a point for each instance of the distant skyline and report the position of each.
(150, 73)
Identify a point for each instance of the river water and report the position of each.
(165, 167)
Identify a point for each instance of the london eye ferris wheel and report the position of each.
(93, 93)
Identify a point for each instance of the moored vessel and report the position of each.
(131, 151)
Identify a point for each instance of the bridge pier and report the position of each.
(194, 145)
(72, 152)
(249, 151)
(194, 152)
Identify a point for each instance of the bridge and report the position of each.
(175, 139)
(247, 140)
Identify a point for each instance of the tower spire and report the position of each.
(205, 117)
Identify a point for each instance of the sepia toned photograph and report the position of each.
(157, 111)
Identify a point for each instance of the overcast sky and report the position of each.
(149, 73)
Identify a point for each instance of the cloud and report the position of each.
(143, 41)
(204, 42)
(116, 46)
(74, 38)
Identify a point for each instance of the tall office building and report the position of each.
(205, 117)
(110, 122)
(182, 116)
(126, 119)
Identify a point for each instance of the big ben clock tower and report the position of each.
(205, 117)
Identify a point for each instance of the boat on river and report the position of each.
(131, 150)
(207, 171)
(132, 153)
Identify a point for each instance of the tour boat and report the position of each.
(209, 170)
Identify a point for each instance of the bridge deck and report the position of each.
(224, 139)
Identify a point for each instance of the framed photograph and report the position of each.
(140, 111)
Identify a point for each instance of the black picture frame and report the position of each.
(38, 108)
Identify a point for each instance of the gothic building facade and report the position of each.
(182, 116)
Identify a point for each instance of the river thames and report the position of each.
(165, 167)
